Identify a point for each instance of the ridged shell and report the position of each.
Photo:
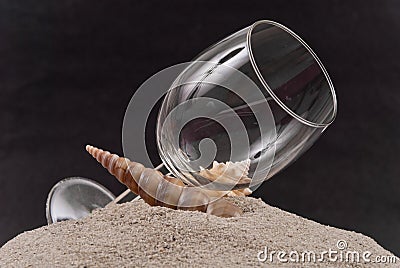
(193, 198)
(168, 194)
(228, 172)
(157, 189)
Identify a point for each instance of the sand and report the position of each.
(134, 234)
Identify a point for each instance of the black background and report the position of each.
(69, 68)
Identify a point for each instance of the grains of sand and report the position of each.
(134, 234)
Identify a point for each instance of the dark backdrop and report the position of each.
(69, 68)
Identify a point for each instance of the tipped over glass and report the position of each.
(258, 98)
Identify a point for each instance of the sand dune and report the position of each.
(135, 234)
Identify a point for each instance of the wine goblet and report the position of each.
(260, 96)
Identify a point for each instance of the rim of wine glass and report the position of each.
(265, 84)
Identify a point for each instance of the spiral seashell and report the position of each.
(158, 189)
(169, 193)
(193, 198)
(148, 185)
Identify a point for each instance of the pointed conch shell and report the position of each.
(158, 189)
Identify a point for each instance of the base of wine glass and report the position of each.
(75, 198)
